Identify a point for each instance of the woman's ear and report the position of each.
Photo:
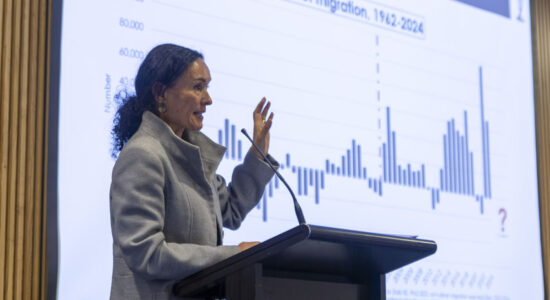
(158, 90)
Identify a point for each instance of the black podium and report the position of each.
(308, 262)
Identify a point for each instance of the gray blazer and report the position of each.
(168, 207)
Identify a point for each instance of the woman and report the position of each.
(167, 204)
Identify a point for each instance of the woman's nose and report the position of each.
(207, 100)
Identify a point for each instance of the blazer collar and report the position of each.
(194, 149)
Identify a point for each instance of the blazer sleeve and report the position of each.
(137, 221)
(245, 190)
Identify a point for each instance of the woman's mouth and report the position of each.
(198, 114)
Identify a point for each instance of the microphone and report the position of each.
(297, 208)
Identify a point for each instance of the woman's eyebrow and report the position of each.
(205, 80)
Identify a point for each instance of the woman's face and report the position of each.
(187, 98)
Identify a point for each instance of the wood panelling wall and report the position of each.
(24, 83)
(540, 10)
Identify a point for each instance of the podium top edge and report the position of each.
(330, 233)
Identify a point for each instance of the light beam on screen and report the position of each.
(399, 118)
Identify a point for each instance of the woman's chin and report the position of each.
(196, 127)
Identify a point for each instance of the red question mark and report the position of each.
(502, 212)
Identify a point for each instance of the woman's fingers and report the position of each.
(262, 109)
(258, 109)
(265, 110)
(247, 245)
(262, 125)
(267, 124)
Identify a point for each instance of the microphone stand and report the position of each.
(297, 208)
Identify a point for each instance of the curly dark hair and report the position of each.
(163, 64)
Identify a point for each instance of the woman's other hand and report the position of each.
(245, 245)
(262, 126)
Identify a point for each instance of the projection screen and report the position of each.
(401, 117)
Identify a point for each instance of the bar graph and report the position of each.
(228, 138)
(456, 176)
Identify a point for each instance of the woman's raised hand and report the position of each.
(262, 126)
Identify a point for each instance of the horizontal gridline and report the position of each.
(266, 30)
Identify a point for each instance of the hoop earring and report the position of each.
(162, 107)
